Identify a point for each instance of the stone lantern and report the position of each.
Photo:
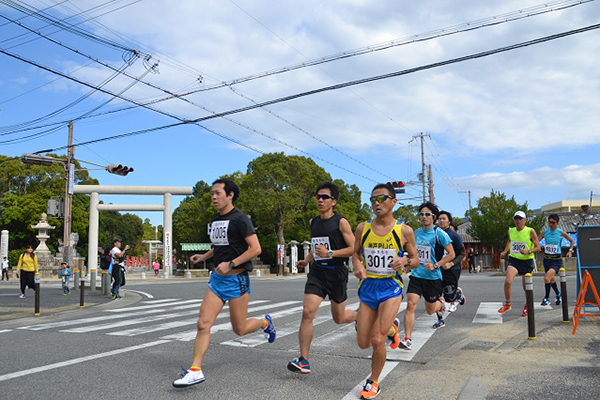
(43, 227)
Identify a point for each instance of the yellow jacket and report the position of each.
(28, 263)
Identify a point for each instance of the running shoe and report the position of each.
(189, 378)
(406, 343)
(558, 299)
(461, 296)
(113, 297)
(299, 365)
(395, 339)
(270, 332)
(370, 391)
(452, 307)
(524, 313)
(439, 324)
(505, 308)
(22, 296)
(546, 301)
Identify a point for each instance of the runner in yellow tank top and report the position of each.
(522, 244)
(378, 260)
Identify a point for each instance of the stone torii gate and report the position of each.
(166, 208)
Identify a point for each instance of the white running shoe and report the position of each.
(405, 343)
(452, 307)
(22, 296)
(189, 378)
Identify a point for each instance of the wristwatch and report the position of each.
(409, 260)
(330, 253)
(232, 265)
(436, 265)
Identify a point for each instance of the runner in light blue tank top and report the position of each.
(553, 238)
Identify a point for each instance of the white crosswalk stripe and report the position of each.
(487, 313)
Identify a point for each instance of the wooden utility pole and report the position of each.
(69, 182)
(430, 179)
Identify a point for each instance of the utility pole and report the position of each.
(430, 179)
(69, 182)
(469, 193)
(422, 136)
(591, 196)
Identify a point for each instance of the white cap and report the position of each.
(520, 214)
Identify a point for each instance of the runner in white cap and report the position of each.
(522, 244)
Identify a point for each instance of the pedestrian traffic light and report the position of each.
(398, 186)
(118, 169)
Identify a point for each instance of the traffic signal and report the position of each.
(398, 186)
(118, 169)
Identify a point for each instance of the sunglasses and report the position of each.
(425, 214)
(380, 198)
(324, 197)
(552, 222)
(518, 218)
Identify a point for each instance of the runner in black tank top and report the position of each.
(332, 242)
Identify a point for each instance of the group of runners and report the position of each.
(382, 250)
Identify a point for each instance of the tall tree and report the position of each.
(493, 216)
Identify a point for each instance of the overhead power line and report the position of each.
(351, 83)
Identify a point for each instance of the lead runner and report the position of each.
(234, 244)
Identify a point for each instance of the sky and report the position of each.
(524, 121)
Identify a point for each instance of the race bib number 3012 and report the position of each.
(218, 233)
(377, 261)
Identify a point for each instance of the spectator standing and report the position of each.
(65, 275)
(156, 266)
(5, 265)
(28, 265)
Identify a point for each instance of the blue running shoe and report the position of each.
(546, 301)
(558, 299)
(299, 365)
(270, 332)
(439, 324)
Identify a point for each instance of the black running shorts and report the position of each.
(430, 290)
(523, 266)
(332, 282)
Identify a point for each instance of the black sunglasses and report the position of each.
(518, 218)
(324, 197)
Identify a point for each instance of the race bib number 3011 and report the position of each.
(377, 261)
(218, 233)
(424, 253)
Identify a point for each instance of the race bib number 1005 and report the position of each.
(218, 233)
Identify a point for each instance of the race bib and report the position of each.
(218, 233)
(323, 241)
(516, 247)
(424, 253)
(551, 249)
(377, 261)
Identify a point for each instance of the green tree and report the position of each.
(492, 218)
(24, 193)
(408, 214)
(191, 217)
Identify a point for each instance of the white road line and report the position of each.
(355, 393)
(148, 295)
(5, 330)
(137, 308)
(487, 313)
(538, 306)
(158, 301)
(422, 332)
(30, 371)
(191, 335)
(175, 324)
(111, 317)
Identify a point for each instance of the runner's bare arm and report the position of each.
(196, 258)
(346, 230)
(359, 269)
(507, 248)
(570, 239)
(253, 250)
(410, 246)
(536, 242)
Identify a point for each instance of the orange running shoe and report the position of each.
(370, 391)
(395, 338)
(524, 313)
(506, 307)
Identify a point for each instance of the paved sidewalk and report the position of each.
(499, 362)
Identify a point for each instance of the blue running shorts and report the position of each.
(374, 291)
(229, 287)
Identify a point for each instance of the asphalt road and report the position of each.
(135, 347)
